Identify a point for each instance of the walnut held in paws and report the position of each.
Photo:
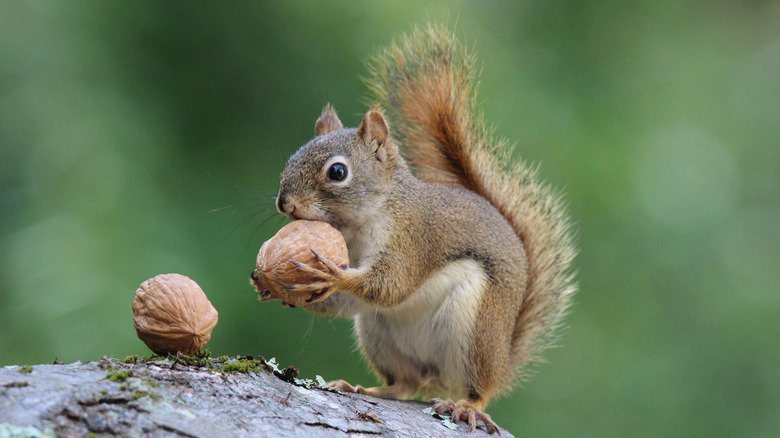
(171, 313)
(276, 271)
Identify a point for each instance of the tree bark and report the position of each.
(173, 398)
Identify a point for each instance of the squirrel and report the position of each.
(460, 263)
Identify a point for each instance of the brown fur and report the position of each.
(328, 121)
(427, 83)
(459, 277)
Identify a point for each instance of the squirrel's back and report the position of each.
(427, 83)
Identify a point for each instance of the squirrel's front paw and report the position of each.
(334, 278)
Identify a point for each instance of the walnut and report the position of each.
(275, 271)
(171, 313)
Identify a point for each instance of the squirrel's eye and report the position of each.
(337, 172)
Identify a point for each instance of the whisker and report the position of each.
(246, 203)
(251, 217)
(307, 335)
(248, 189)
(263, 223)
(277, 225)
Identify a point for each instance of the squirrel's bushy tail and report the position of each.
(427, 83)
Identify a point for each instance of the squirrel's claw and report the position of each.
(312, 271)
(462, 410)
(311, 288)
(333, 270)
(325, 280)
(332, 267)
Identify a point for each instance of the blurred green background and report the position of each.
(139, 138)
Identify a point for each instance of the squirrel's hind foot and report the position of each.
(345, 386)
(391, 392)
(465, 411)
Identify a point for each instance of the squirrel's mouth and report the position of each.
(292, 216)
(293, 212)
(297, 214)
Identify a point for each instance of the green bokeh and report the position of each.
(139, 138)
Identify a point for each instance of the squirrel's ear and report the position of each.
(328, 121)
(374, 128)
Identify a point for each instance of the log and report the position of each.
(199, 397)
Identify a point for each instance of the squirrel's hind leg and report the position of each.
(469, 411)
(397, 391)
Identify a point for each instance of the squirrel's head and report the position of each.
(342, 175)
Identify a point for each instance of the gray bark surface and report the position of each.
(168, 399)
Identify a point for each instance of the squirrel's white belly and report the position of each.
(433, 328)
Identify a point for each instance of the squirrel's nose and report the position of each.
(283, 205)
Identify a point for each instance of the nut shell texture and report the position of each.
(171, 313)
(295, 242)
